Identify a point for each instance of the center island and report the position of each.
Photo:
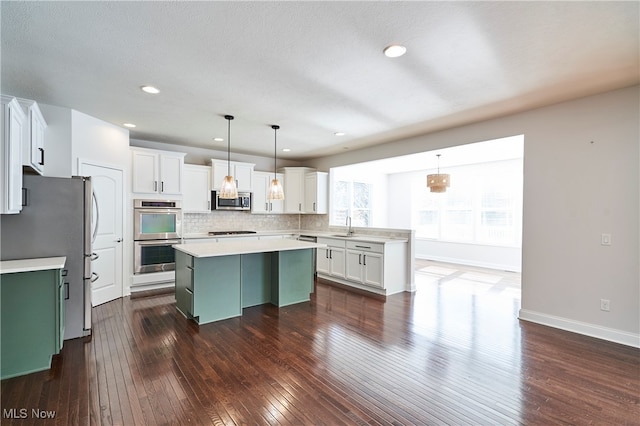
(215, 281)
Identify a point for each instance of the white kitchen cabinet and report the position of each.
(33, 143)
(365, 263)
(305, 190)
(261, 184)
(241, 172)
(197, 189)
(13, 130)
(315, 192)
(378, 267)
(157, 172)
(330, 260)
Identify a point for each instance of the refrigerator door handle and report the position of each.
(97, 209)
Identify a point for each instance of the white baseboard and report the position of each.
(152, 286)
(605, 333)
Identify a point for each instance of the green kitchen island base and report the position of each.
(31, 314)
(212, 286)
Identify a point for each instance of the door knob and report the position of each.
(119, 240)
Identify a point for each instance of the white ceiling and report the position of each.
(314, 68)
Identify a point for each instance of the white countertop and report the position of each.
(31, 265)
(227, 248)
(321, 234)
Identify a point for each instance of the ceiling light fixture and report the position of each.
(275, 189)
(129, 125)
(394, 50)
(228, 189)
(150, 89)
(438, 182)
(218, 139)
(286, 149)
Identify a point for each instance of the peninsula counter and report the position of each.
(215, 281)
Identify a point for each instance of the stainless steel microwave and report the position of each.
(242, 202)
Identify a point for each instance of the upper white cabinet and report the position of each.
(260, 204)
(197, 189)
(157, 172)
(33, 145)
(305, 190)
(315, 192)
(241, 172)
(13, 130)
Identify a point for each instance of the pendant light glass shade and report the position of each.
(438, 182)
(275, 189)
(228, 188)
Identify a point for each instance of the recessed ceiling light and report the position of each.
(286, 149)
(394, 50)
(129, 125)
(218, 139)
(339, 133)
(150, 89)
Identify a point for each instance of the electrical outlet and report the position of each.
(605, 305)
(605, 239)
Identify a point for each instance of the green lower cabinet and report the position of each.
(215, 288)
(291, 277)
(256, 279)
(32, 315)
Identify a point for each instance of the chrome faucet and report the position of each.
(348, 223)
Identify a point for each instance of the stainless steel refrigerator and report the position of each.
(56, 220)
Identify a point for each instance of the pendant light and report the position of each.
(228, 188)
(438, 182)
(275, 189)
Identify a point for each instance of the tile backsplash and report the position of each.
(194, 223)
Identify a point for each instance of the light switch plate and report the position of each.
(605, 239)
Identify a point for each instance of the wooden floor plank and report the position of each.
(451, 353)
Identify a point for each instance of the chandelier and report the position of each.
(438, 182)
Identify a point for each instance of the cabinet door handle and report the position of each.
(266, 206)
(208, 205)
(25, 201)
(66, 291)
(330, 254)
(364, 259)
(314, 207)
(162, 186)
(360, 259)
(155, 185)
(41, 162)
(299, 207)
(326, 254)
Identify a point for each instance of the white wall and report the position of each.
(574, 190)
(58, 161)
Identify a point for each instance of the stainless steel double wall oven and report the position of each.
(157, 225)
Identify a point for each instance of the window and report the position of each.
(483, 205)
(351, 198)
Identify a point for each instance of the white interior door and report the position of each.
(108, 245)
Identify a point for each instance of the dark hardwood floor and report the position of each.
(451, 353)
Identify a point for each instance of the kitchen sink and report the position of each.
(343, 235)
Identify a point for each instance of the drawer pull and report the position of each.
(367, 247)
